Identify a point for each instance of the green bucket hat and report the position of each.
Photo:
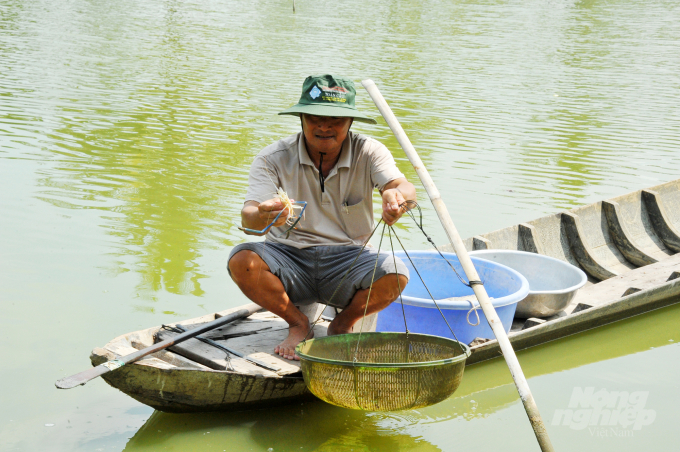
(326, 95)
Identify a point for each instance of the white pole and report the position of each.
(468, 267)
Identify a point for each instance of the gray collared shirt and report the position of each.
(343, 213)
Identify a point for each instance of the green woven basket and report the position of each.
(393, 371)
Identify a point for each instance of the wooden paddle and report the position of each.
(480, 292)
(97, 371)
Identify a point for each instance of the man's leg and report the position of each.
(257, 282)
(384, 291)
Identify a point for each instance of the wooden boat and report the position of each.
(194, 376)
(629, 246)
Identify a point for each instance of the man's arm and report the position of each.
(394, 194)
(258, 215)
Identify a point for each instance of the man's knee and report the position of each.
(392, 285)
(245, 264)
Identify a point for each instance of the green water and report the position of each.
(126, 133)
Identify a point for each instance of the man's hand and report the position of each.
(258, 215)
(394, 194)
(392, 199)
(269, 209)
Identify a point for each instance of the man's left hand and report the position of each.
(392, 199)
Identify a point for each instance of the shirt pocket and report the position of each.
(358, 219)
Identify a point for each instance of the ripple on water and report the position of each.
(155, 111)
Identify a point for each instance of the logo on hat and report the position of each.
(315, 92)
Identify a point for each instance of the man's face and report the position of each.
(325, 133)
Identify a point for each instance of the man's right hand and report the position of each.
(259, 215)
(270, 209)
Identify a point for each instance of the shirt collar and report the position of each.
(345, 160)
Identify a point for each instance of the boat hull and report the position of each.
(196, 390)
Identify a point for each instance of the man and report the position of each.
(335, 171)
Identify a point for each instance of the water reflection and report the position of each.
(313, 426)
(137, 174)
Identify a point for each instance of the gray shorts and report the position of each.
(312, 275)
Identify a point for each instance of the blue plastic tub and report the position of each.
(504, 285)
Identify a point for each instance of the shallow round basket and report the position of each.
(552, 283)
(393, 371)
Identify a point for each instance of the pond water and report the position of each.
(126, 134)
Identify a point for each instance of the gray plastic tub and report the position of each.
(552, 283)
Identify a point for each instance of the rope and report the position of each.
(419, 224)
(429, 239)
(368, 298)
(401, 300)
(428, 290)
(342, 281)
(467, 317)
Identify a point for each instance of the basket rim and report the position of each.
(462, 357)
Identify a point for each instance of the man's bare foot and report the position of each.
(337, 328)
(296, 333)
